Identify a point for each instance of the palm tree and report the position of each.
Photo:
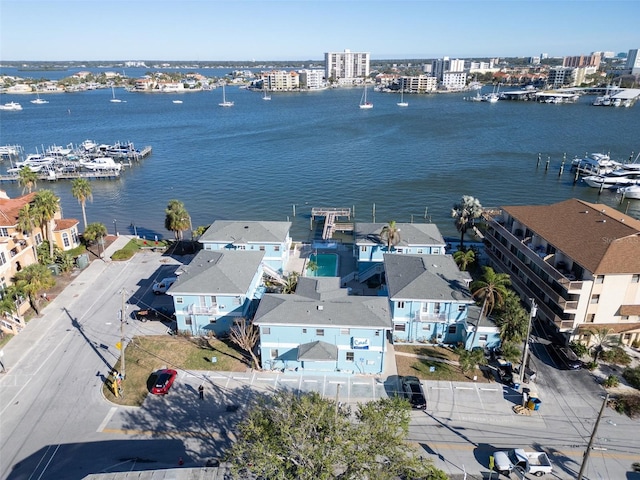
(465, 214)
(601, 338)
(513, 319)
(27, 179)
(464, 259)
(491, 288)
(390, 234)
(46, 205)
(31, 280)
(81, 190)
(8, 301)
(177, 219)
(26, 222)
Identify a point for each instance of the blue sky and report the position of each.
(209, 30)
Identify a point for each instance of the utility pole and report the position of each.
(122, 372)
(525, 352)
(593, 436)
(337, 398)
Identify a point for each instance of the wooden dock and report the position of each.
(53, 176)
(331, 215)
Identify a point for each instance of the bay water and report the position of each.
(259, 159)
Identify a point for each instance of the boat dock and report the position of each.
(331, 216)
(53, 176)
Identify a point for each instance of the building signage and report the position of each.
(360, 343)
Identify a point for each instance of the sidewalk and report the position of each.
(20, 345)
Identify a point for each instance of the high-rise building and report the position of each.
(346, 65)
(592, 60)
(633, 62)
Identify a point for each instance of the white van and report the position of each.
(163, 285)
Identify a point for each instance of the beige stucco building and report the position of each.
(579, 261)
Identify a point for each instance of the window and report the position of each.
(179, 300)
(624, 317)
(65, 239)
(400, 304)
(591, 318)
(304, 330)
(212, 320)
(400, 250)
(363, 248)
(237, 301)
(262, 248)
(274, 353)
(436, 308)
(320, 332)
(4, 232)
(400, 327)
(461, 308)
(187, 320)
(595, 298)
(241, 247)
(426, 327)
(349, 356)
(276, 248)
(635, 279)
(3, 259)
(38, 238)
(420, 250)
(74, 235)
(627, 336)
(344, 331)
(599, 279)
(482, 338)
(377, 333)
(452, 329)
(436, 251)
(266, 330)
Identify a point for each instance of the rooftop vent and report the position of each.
(320, 307)
(584, 211)
(602, 221)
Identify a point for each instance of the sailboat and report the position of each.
(363, 101)
(38, 101)
(402, 103)
(113, 96)
(225, 102)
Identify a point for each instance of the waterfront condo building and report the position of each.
(579, 261)
(346, 65)
(281, 80)
(633, 62)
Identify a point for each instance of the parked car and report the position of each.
(505, 373)
(568, 358)
(163, 314)
(535, 463)
(412, 389)
(163, 382)
(163, 285)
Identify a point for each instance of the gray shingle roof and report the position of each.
(246, 232)
(317, 304)
(317, 351)
(221, 272)
(426, 277)
(411, 234)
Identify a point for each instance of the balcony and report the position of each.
(202, 310)
(430, 317)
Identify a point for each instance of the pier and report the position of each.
(331, 215)
(53, 176)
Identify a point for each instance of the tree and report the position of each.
(468, 359)
(601, 338)
(290, 283)
(32, 280)
(27, 220)
(465, 214)
(510, 352)
(491, 288)
(27, 179)
(246, 336)
(513, 319)
(8, 298)
(464, 258)
(390, 234)
(46, 204)
(177, 218)
(306, 437)
(81, 190)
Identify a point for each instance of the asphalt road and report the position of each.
(55, 424)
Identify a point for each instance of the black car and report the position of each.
(412, 389)
(568, 358)
(505, 373)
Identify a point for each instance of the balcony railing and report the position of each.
(430, 317)
(202, 310)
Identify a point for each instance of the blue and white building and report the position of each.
(271, 238)
(321, 328)
(429, 298)
(217, 289)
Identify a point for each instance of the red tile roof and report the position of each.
(64, 224)
(599, 238)
(10, 208)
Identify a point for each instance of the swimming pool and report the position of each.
(327, 265)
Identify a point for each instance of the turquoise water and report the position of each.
(257, 160)
(327, 265)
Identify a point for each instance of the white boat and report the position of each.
(225, 102)
(595, 164)
(101, 163)
(113, 96)
(402, 103)
(35, 162)
(88, 145)
(615, 179)
(11, 106)
(631, 191)
(38, 101)
(177, 101)
(364, 103)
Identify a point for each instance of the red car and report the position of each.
(163, 381)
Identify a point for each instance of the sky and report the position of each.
(262, 30)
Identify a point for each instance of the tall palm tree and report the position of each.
(464, 259)
(27, 179)
(46, 205)
(8, 301)
(601, 339)
(513, 319)
(465, 214)
(177, 218)
(81, 190)
(26, 222)
(492, 289)
(390, 234)
(32, 279)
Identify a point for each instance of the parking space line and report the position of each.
(463, 388)
(264, 379)
(360, 383)
(337, 382)
(310, 381)
(240, 378)
(282, 380)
